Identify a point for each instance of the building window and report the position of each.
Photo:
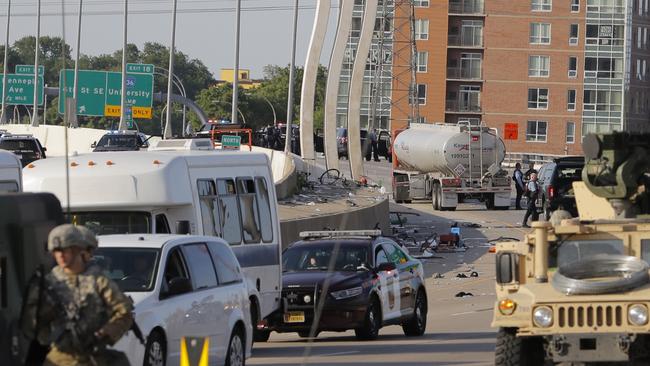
(540, 33)
(602, 100)
(536, 131)
(570, 132)
(575, 6)
(539, 66)
(541, 5)
(422, 94)
(571, 100)
(537, 98)
(573, 67)
(421, 3)
(421, 29)
(573, 34)
(422, 61)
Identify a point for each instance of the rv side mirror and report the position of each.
(183, 227)
(93, 145)
(506, 267)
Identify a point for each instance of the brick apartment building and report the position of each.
(543, 72)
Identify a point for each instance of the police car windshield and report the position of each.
(113, 222)
(315, 257)
(133, 269)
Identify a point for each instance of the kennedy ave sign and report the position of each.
(100, 93)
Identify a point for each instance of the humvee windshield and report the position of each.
(575, 250)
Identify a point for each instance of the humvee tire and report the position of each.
(511, 350)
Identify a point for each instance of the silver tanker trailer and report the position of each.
(448, 163)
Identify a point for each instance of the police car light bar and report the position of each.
(338, 233)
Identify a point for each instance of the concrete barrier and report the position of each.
(365, 218)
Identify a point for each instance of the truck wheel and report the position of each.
(435, 196)
(489, 201)
(511, 350)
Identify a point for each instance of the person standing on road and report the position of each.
(372, 135)
(531, 170)
(75, 308)
(518, 178)
(532, 191)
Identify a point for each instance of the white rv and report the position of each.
(185, 190)
(10, 172)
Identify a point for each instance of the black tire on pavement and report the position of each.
(370, 329)
(489, 201)
(155, 353)
(261, 335)
(435, 196)
(417, 324)
(236, 355)
(511, 350)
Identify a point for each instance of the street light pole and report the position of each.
(275, 118)
(36, 52)
(73, 122)
(123, 125)
(3, 114)
(235, 83)
(292, 70)
(168, 122)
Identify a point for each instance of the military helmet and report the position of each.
(68, 235)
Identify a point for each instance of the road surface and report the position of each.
(458, 329)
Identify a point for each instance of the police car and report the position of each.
(26, 147)
(341, 280)
(121, 141)
(182, 286)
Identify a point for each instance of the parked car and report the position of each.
(26, 147)
(121, 141)
(342, 143)
(555, 180)
(182, 286)
(362, 280)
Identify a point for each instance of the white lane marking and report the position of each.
(336, 354)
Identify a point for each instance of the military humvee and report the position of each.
(579, 292)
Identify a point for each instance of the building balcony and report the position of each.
(466, 7)
(456, 40)
(464, 73)
(454, 106)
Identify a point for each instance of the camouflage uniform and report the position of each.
(74, 307)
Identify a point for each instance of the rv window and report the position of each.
(11, 186)
(162, 226)
(265, 210)
(207, 202)
(229, 211)
(113, 222)
(249, 212)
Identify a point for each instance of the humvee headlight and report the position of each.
(543, 317)
(637, 314)
(507, 306)
(307, 299)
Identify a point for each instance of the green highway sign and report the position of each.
(139, 68)
(20, 89)
(29, 70)
(229, 142)
(100, 93)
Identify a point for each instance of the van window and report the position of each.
(250, 215)
(162, 226)
(201, 267)
(228, 207)
(264, 204)
(174, 268)
(8, 186)
(113, 222)
(207, 202)
(226, 264)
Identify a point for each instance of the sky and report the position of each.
(205, 29)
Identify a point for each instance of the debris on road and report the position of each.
(438, 275)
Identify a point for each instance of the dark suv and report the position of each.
(26, 147)
(555, 180)
(356, 280)
(121, 141)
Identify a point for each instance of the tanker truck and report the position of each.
(447, 163)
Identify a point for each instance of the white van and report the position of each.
(10, 172)
(190, 190)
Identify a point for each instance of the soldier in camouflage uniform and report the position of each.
(77, 310)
